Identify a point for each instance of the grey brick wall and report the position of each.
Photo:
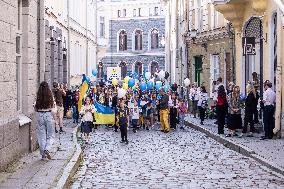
(145, 56)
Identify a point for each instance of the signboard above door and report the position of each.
(248, 46)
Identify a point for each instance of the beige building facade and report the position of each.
(263, 20)
(199, 45)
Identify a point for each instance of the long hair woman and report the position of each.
(250, 107)
(45, 113)
(221, 107)
(234, 111)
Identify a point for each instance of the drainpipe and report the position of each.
(87, 40)
(42, 41)
(68, 43)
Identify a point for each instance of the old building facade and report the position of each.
(263, 21)
(199, 45)
(19, 78)
(135, 36)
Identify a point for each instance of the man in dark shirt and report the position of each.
(164, 111)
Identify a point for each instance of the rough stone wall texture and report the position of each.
(130, 57)
(10, 139)
(215, 46)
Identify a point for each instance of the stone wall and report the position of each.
(216, 46)
(18, 80)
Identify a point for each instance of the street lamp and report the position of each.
(193, 34)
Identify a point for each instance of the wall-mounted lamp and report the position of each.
(192, 34)
(205, 46)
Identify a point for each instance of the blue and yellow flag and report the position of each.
(83, 91)
(104, 115)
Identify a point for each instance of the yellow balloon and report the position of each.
(126, 79)
(114, 81)
(125, 86)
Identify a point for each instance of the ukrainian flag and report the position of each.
(83, 91)
(104, 115)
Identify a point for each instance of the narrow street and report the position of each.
(180, 159)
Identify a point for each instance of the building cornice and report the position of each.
(209, 35)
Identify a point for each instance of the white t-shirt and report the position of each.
(135, 112)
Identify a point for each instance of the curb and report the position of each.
(73, 164)
(244, 150)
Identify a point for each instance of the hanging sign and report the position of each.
(248, 46)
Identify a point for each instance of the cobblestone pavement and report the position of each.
(180, 159)
(271, 150)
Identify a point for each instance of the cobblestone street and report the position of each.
(180, 159)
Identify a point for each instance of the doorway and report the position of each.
(198, 69)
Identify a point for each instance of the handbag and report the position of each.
(69, 114)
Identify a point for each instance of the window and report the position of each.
(214, 69)
(138, 40)
(118, 13)
(156, 11)
(124, 12)
(154, 67)
(102, 26)
(154, 39)
(139, 11)
(138, 68)
(134, 12)
(123, 67)
(122, 41)
(19, 56)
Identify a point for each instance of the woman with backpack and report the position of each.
(202, 103)
(221, 108)
(234, 111)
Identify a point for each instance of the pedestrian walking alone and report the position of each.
(87, 112)
(45, 114)
(123, 120)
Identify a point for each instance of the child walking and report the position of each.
(182, 112)
(87, 112)
(135, 116)
(123, 120)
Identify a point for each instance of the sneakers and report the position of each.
(122, 141)
(126, 142)
(250, 134)
(201, 123)
(47, 154)
(61, 130)
(56, 131)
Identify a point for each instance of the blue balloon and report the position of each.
(158, 86)
(150, 85)
(94, 72)
(166, 87)
(131, 83)
(143, 86)
(88, 79)
(84, 78)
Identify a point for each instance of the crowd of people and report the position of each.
(143, 109)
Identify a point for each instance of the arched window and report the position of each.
(138, 68)
(154, 39)
(123, 67)
(100, 70)
(138, 40)
(122, 41)
(154, 67)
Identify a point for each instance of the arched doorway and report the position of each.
(154, 67)
(138, 68)
(123, 67)
(254, 60)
